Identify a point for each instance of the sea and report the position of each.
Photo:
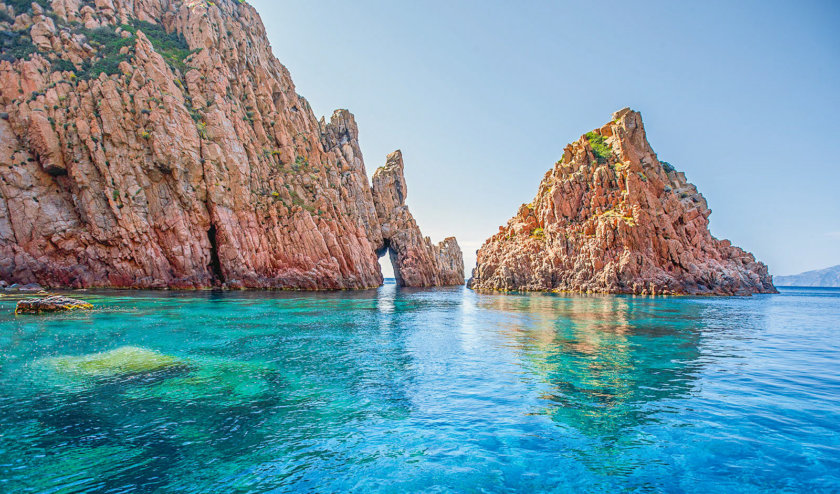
(434, 390)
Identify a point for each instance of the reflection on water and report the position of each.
(396, 389)
(602, 359)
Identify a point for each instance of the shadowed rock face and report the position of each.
(173, 151)
(611, 218)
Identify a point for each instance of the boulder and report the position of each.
(54, 303)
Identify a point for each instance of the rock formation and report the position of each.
(611, 218)
(411, 253)
(159, 143)
(55, 303)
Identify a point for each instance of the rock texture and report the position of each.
(412, 255)
(159, 143)
(611, 218)
(54, 303)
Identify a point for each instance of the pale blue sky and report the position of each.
(482, 96)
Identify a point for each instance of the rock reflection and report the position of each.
(606, 364)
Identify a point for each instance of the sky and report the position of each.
(482, 97)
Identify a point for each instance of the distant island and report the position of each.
(828, 278)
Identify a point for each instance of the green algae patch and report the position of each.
(218, 381)
(122, 361)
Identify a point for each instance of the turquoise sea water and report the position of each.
(432, 390)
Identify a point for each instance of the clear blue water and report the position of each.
(436, 391)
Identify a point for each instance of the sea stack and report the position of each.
(160, 144)
(609, 217)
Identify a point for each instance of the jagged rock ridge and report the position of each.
(611, 218)
(159, 143)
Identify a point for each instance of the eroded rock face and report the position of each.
(417, 263)
(159, 143)
(611, 218)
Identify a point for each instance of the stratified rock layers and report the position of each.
(159, 143)
(611, 218)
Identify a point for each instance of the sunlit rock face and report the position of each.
(158, 143)
(610, 217)
(417, 262)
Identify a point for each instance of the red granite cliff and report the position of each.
(610, 217)
(159, 143)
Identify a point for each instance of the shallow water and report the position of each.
(436, 390)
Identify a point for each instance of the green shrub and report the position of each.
(602, 151)
(63, 66)
(108, 66)
(108, 37)
(23, 6)
(110, 43)
(15, 46)
(171, 46)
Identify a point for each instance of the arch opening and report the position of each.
(388, 264)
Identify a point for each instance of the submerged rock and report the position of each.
(219, 381)
(122, 361)
(610, 217)
(55, 303)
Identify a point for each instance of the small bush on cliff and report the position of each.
(62, 65)
(15, 46)
(600, 148)
(110, 43)
(171, 46)
(23, 6)
(108, 66)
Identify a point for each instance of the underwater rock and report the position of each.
(217, 381)
(54, 303)
(122, 361)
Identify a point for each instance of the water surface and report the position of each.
(427, 390)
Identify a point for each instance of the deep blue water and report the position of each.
(436, 390)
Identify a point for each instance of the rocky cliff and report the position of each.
(159, 143)
(611, 218)
(402, 238)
